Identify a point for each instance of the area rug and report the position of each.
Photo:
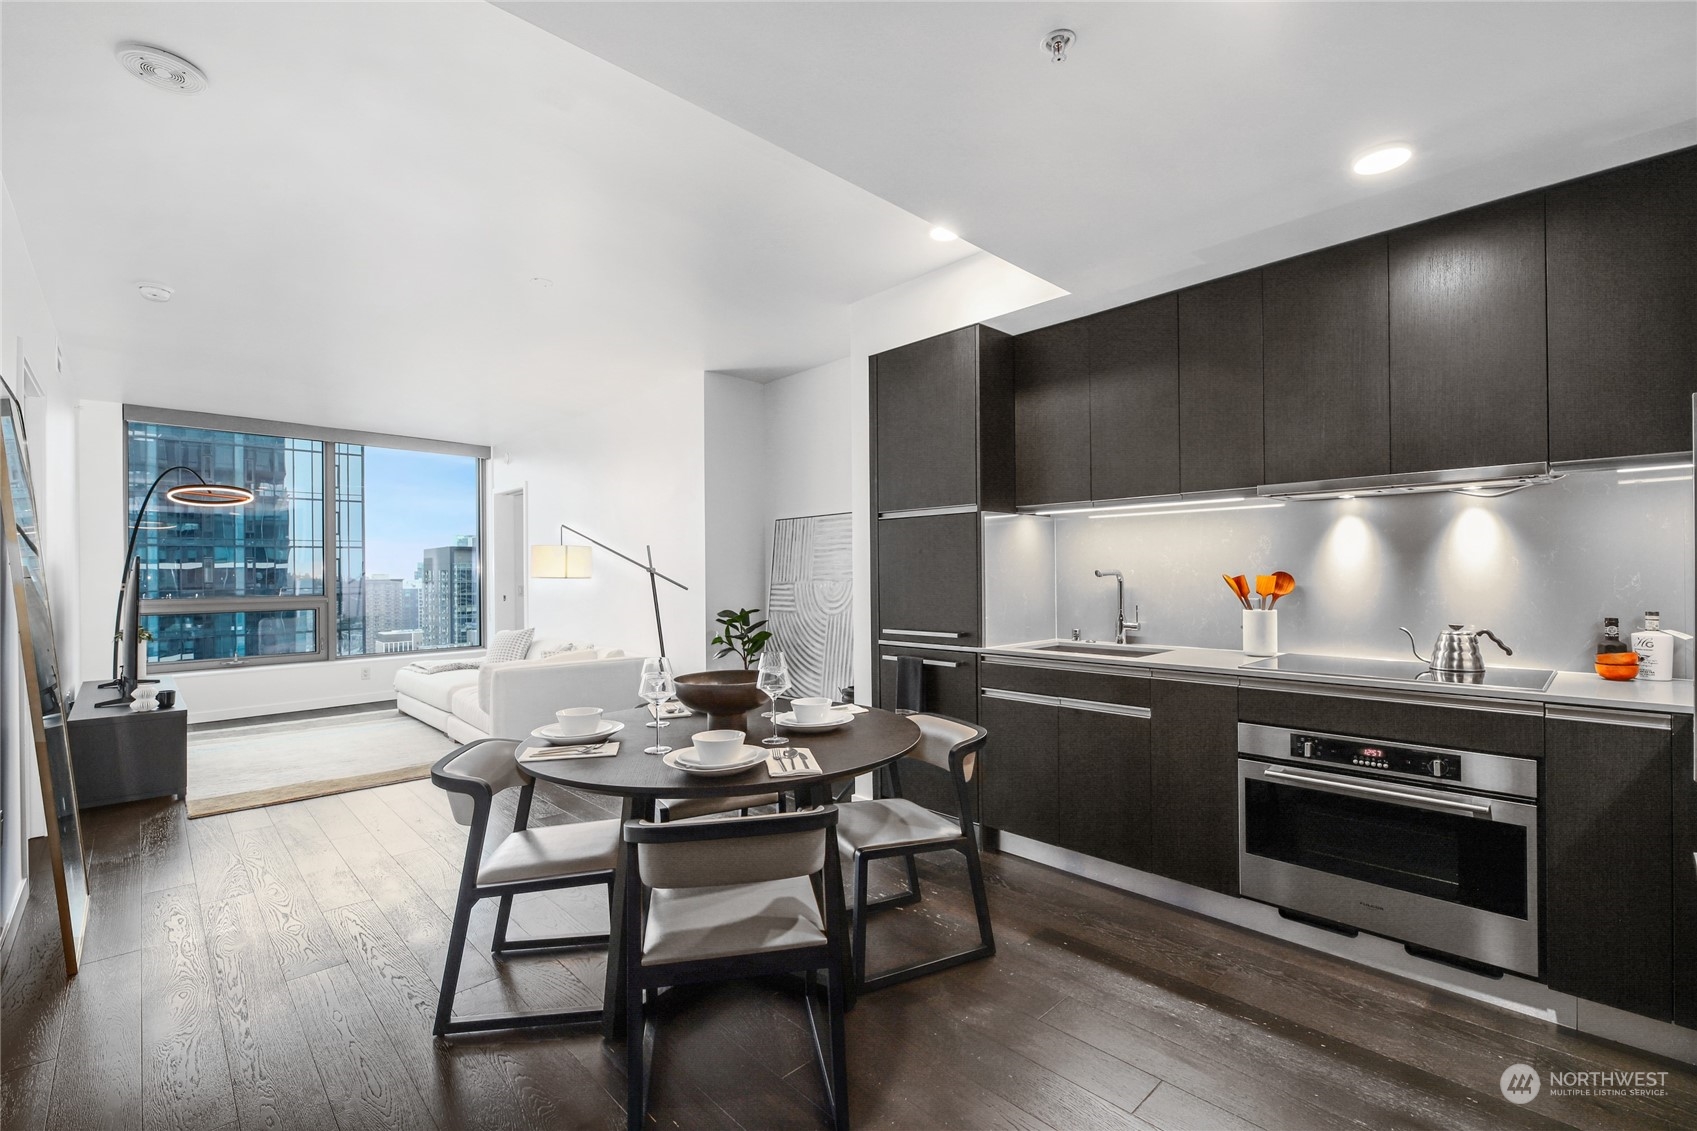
(246, 767)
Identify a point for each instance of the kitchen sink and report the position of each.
(1124, 650)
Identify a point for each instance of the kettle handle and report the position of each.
(1507, 651)
(1415, 650)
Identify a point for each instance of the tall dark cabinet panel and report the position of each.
(1052, 415)
(1020, 764)
(1468, 372)
(1623, 309)
(928, 579)
(949, 686)
(1103, 765)
(943, 422)
(1219, 384)
(1328, 385)
(1608, 890)
(1193, 770)
(1134, 400)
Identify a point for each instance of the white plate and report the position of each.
(838, 717)
(551, 734)
(751, 757)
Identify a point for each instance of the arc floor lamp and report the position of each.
(572, 562)
(200, 493)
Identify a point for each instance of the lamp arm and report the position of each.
(129, 552)
(648, 567)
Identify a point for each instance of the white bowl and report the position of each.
(575, 721)
(717, 747)
(814, 709)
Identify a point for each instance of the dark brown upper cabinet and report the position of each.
(1328, 356)
(1469, 381)
(943, 422)
(1220, 384)
(1622, 250)
(928, 578)
(1134, 399)
(1052, 415)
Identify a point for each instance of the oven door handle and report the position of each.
(1422, 800)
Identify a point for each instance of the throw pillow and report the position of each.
(511, 644)
(559, 650)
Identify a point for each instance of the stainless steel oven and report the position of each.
(1432, 847)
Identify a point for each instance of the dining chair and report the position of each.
(730, 898)
(688, 808)
(893, 826)
(546, 858)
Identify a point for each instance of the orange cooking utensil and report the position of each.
(1283, 585)
(1240, 594)
(1264, 587)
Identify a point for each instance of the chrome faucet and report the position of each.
(1125, 627)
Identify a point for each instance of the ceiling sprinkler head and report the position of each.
(1057, 42)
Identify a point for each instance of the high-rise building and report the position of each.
(448, 613)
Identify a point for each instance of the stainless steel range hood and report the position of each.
(1486, 481)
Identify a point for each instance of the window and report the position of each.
(392, 564)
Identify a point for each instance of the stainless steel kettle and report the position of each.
(1457, 649)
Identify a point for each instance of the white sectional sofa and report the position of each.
(511, 699)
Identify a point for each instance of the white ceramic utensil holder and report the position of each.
(1261, 632)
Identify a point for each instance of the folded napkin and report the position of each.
(791, 762)
(562, 753)
(669, 711)
(853, 708)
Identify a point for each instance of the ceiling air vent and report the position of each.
(158, 67)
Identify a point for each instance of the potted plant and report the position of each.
(741, 635)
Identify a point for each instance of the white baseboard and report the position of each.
(14, 920)
(1511, 992)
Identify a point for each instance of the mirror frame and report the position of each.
(47, 707)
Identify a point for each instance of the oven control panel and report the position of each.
(1389, 759)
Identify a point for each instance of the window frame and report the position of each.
(326, 605)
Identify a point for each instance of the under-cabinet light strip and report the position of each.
(1191, 510)
(1653, 467)
(1109, 512)
(1655, 479)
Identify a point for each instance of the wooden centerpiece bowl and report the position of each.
(727, 696)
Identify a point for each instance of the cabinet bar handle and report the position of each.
(1646, 719)
(921, 632)
(927, 663)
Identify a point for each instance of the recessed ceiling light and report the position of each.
(154, 292)
(1382, 160)
(159, 68)
(942, 234)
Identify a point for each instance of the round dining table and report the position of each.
(873, 739)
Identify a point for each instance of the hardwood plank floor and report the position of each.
(278, 968)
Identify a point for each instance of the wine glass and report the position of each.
(656, 688)
(773, 678)
(659, 666)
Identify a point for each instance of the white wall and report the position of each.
(27, 332)
(973, 290)
(807, 422)
(626, 467)
(738, 475)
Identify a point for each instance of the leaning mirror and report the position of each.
(27, 580)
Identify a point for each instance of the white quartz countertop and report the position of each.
(1577, 689)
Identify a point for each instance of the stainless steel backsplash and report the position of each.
(1542, 567)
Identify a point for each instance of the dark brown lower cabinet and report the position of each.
(1683, 765)
(948, 686)
(1020, 767)
(1608, 847)
(1193, 783)
(1103, 784)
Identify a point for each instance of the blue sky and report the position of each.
(413, 501)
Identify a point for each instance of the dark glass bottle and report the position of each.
(1611, 641)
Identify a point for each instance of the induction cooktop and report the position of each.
(1401, 671)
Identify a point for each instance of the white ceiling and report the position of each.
(1180, 141)
(353, 213)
